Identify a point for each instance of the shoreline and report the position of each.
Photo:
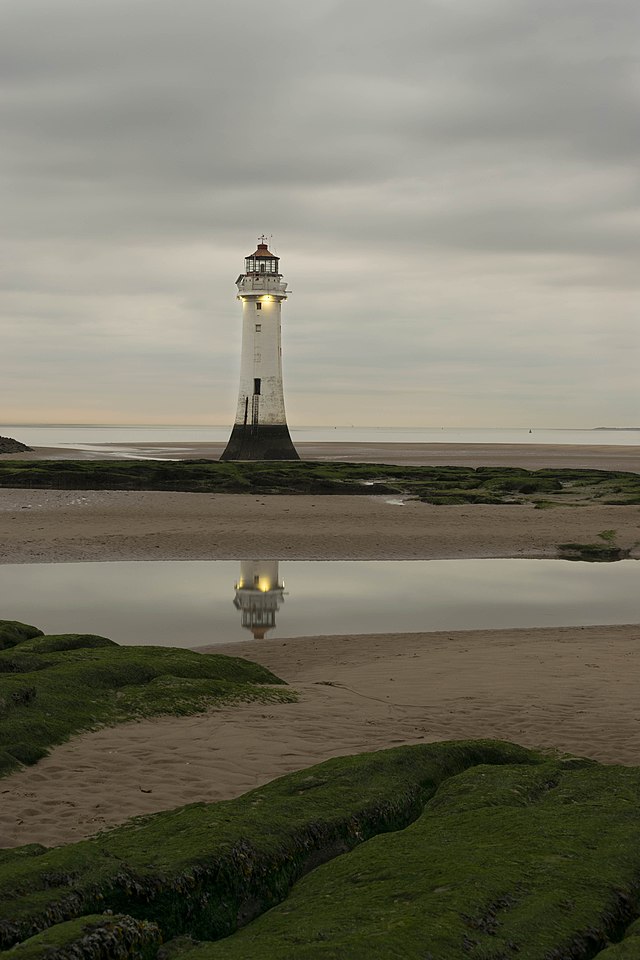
(570, 689)
(530, 456)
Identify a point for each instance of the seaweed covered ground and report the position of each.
(52, 687)
(437, 485)
(447, 851)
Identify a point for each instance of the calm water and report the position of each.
(191, 603)
(43, 436)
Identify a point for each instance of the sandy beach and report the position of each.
(569, 688)
(38, 526)
(52, 526)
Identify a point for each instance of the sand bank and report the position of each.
(569, 688)
(58, 525)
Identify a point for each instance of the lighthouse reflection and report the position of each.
(259, 594)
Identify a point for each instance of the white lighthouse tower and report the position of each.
(260, 431)
(259, 594)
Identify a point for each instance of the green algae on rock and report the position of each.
(472, 849)
(52, 687)
(514, 862)
(98, 937)
(592, 552)
(626, 949)
(436, 485)
(12, 633)
(205, 868)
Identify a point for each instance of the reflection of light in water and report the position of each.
(259, 594)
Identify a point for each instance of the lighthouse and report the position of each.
(260, 431)
(259, 594)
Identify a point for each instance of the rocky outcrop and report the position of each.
(7, 445)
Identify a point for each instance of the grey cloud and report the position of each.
(452, 184)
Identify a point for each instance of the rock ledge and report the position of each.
(7, 445)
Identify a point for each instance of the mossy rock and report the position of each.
(67, 641)
(592, 552)
(13, 633)
(52, 687)
(515, 862)
(430, 484)
(450, 850)
(203, 869)
(9, 445)
(524, 483)
(626, 949)
(97, 937)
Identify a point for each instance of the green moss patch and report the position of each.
(592, 552)
(52, 687)
(98, 937)
(206, 868)
(522, 862)
(437, 485)
(443, 851)
(12, 633)
(626, 949)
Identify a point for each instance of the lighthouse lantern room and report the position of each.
(260, 431)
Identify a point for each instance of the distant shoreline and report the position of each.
(531, 456)
(93, 436)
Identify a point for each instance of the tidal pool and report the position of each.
(193, 603)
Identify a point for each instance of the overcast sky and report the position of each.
(452, 187)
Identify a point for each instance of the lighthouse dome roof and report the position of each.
(262, 251)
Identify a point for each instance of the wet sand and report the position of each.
(571, 688)
(38, 526)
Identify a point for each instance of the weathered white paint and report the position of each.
(261, 350)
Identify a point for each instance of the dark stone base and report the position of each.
(260, 442)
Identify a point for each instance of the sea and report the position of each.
(95, 435)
